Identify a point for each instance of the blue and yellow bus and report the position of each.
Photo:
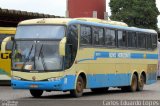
(84, 53)
(158, 73)
(5, 60)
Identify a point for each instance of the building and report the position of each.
(86, 8)
(10, 18)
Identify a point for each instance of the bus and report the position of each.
(5, 61)
(158, 73)
(63, 54)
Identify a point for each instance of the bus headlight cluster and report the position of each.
(16, 78)
(53, 79)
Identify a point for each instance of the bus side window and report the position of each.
(85, 37)
(98, 36)
(141, 40)
(9, 45)
(149, 41)
(154, 41)
(132, 40)
(122, 39)
(110, 38)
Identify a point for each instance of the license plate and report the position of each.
(33, 86)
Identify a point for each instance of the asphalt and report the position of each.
(11, 97)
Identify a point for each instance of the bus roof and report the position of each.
(61, 21)
(86, 21)
(7, 30)
(103, 21)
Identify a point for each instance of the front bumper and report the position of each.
(65, 83)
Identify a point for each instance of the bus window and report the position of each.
(72, 45)
(122, 39)
(9, 45)
(110, 37)
(101, 37)
(132, 40)
(86, 37)
(154, 41)
(141, 41)
(149, 41)
(98, 36)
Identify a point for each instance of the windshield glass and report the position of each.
(40, 32)
(37, 56)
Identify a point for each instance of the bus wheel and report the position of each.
(36, 93)
(79, 88)
(141, 83)
(99, 90)
(134, 83)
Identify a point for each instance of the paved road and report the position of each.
(23, 97)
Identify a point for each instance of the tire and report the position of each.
(134, 84)
(141, 83)
(100, 90)
(78, 92)
(36, 93)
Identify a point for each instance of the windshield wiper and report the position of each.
(26, 59)
(35, 55)
(40, 51)
(42, 58)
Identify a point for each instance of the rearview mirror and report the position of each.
(5, 42)
(62, 46)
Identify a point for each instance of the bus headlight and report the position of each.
(16, 78)
(53, 79)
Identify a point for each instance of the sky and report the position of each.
(53, 7)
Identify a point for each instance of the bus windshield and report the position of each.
(40, 32)
(36, 56)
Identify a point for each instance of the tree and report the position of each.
(138, 13)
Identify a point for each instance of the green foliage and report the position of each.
(138, 13)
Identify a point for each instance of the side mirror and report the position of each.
(4, 43)
(62, 46)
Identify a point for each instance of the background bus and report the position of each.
(158, 73)
(74, 54)
(5, 61)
